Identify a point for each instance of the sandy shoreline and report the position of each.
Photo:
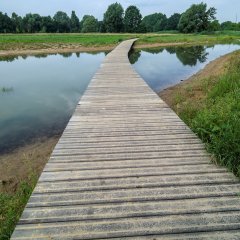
(55, 50)
(24, 161)
(76, 48)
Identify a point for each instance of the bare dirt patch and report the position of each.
(155, 45)
(35, 49)
(17, 166)
(53, 48)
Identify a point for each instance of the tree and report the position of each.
(17, 23)
(142, 28)
(90, 24)
(62, 22)
(160, 24)
(155, 22)
(83, 19)
(6, 25)
(74, 22)
(101, 27)
(32, 23)
(47, 25)
(172, 22)
(113, 18)
(214, 26)
(132, 19)
(196, 19)
(230, 26)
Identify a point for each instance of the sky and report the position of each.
(226, 9)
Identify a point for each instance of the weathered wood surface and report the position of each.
(127, 167)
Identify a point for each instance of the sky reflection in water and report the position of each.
(164, 67)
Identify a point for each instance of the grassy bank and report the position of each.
(19, 172)
(191, 38)
(16, 42)
(12, 205)
(211, 107)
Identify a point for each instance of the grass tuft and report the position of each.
(6, 89)
(12, 205)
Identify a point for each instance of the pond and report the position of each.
(38, 94)
(164, 67)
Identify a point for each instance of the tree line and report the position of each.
(197, 18)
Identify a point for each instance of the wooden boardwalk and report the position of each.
(127, 167)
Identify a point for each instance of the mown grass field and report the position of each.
(191, 38)
(43, 41)
(38, 41)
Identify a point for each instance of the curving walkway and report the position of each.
(126, 167)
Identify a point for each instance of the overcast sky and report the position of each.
(226, 9)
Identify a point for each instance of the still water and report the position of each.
(164, 67)
(38, 94)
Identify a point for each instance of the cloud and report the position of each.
(227, 10)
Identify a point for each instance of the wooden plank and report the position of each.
(127, 167)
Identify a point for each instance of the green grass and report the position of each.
(41, 41)
(8, 40)
(85, 39)
(191, 38)
(217, 119)
(12, 205)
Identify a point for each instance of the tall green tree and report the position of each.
(83, 20)
(74, 22)
(17, 23)
(47, 25)
(90, 24)
(62, 22)
(142, 28)
(113, 18)
(197, 18)
(6, 24)
(173, 21)
(228, 25)
(101, 27)
(214, 26)
(132, 19)
(155, 22)
(32, 23)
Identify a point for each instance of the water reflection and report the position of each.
(163, 67)
(133, 56)
(6, 89)
(191, 55)
(45, 55)
(44, 92)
